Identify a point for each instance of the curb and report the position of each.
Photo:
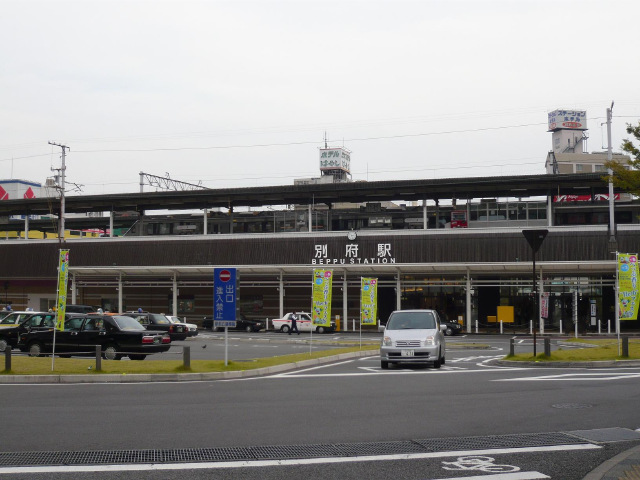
(180, 377)
(615, 467)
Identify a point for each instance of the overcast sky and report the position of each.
(240, 93)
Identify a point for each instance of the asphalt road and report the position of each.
(347, 403)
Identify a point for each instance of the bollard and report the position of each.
(625, 346)
(476, 326)
(98, 358)
(530, 327)
(7, 358)
(512, 347)
(599, 327)
(609, 327)
(547, 347)
(500, 327)
(186, 357)
(560, 327)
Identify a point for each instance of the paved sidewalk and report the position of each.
(624, 466)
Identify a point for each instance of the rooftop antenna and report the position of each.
(325, 139)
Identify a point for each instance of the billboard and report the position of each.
(335, 159)
(568, 120)
(18, 190)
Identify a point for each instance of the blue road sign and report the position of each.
(224, 295)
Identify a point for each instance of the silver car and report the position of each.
(413, 337)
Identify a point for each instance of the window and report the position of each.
(579, 167)
(599, 168)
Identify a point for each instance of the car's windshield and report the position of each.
(411, 320)
(127, 323)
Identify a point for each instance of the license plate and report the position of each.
(406, 353)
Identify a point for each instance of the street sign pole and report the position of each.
(224, 303)
(535, 239)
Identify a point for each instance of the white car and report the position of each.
(303, 323)
(413, 337)
(192, 328)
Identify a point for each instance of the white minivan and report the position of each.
(413, 337)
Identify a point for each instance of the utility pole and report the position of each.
(612, 225)
(62, 187)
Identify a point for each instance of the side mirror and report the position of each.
(443, 328)
(381, 328)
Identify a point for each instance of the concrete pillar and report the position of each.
(174, 290)
(281, 292)
(344, 302)
(468, 301)
(120, 293)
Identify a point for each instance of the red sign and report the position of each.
(571, 124)
(225, 275)
(29, 193)
(3, 194)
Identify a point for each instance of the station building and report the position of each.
(397, 231)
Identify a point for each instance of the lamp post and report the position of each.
(535, 239)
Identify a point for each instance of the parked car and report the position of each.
(452, 327)
(117, 335)
(303, 323)
(413, 337)
(242, 323)
(22, 322)
(192, 328)
(157, 321)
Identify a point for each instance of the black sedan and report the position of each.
(242, 323)
(157, 321)
(453, 328)
(117, 335)
(18, 323)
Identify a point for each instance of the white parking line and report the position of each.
(308, 461)
(595, 376)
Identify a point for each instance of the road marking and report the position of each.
(304, 461)
(595, 376)
(503, 476)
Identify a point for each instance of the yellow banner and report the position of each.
(63, 276)
(368, 301)
(321, 314)
(628, 297)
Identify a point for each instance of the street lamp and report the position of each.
(535, 239)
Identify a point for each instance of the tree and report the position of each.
(627, 179)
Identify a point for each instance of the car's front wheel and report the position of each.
(448, 332)
(320, 329)
(384, 365)
(249, 328)
(438, 361)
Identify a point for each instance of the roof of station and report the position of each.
(521, 186)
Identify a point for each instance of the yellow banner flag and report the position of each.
(628, 295)
(63, 276)
(322, 283)
(368, 301)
